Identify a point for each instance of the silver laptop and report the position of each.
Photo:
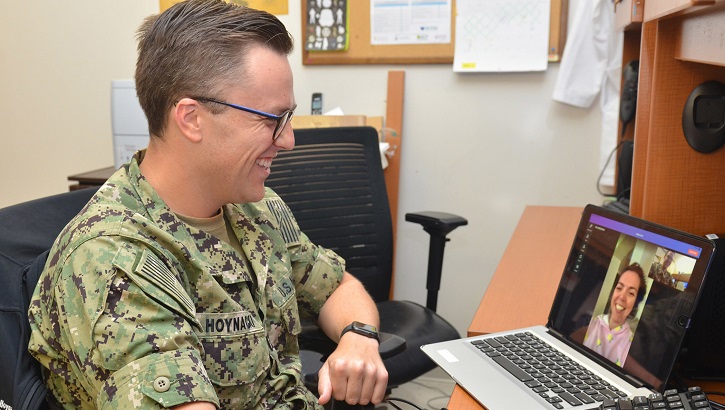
(624, 303)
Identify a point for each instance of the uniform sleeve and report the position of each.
(130, 328)
(316, 271)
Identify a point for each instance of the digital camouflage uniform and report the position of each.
(135, 308)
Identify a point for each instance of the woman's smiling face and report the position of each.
(624, 298)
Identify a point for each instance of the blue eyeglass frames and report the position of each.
(282, 119)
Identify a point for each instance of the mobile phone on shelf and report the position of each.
(316, 103)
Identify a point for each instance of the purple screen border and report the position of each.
(639, 233)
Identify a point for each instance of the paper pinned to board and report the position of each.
(394, 22)
(502, 35)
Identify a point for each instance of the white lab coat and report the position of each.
(592, 65)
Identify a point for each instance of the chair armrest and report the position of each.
(440, 223)
(390, 345)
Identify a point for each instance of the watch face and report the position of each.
(363, 328)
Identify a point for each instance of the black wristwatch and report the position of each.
(362, 329)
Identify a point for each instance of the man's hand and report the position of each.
(354, 372)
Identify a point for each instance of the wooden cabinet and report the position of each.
(682, 45)
(628, 13)
(658, 9)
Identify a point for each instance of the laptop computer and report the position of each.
(623, 305)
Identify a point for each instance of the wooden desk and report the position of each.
(524, 284)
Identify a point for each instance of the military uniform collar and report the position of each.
(220, 258)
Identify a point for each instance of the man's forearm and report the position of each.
(354, 372)
(349, 302)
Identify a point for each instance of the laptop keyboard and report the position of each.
(546, 371)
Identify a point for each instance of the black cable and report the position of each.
(622, 194)
(443, 395)
(391, 399)
(394, 405)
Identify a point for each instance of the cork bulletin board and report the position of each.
(360, 51)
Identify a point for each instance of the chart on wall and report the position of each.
(395, 22)
(502, 35)
(326, 25)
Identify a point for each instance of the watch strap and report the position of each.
(362, 329)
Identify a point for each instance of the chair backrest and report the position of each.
(27, 231)
(334, 184)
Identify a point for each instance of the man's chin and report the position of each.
(254, 197)
(246, 198)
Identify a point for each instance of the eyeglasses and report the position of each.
(282, 119)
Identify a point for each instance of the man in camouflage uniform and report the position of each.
(662, 271)
(183, 281)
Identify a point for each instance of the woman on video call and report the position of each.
(610, 334)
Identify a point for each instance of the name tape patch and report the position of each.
(228, 324)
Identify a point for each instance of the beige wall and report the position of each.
(480, 145)
(57, 60)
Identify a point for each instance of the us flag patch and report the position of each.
(287, 226)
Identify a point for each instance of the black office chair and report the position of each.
(27, 231)
(333, 182)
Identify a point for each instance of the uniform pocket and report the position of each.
(236, 351)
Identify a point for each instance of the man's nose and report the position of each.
(286, 139)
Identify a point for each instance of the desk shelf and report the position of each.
(628, 14)
(672, 184)
(658, 9)
(700, 36)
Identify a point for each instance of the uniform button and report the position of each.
(162, 384)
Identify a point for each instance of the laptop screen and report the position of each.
(628, 292)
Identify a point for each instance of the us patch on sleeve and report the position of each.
(287, 225)
(155, 271)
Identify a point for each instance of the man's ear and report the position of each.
(186, 115)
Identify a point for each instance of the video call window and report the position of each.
(671, 269)
(624, 292)
(624, 295)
